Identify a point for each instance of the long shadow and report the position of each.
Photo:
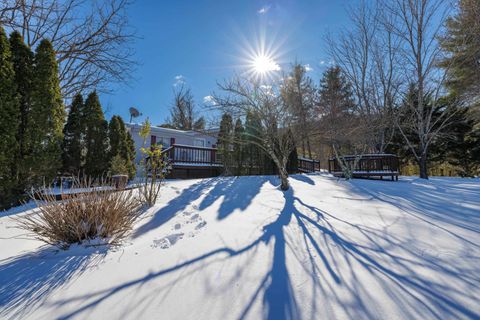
(303, 178)
(428, 201)
(176, 205)
(235, 196)
(416, 295)
(27, 280)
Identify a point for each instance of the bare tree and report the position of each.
(368, 55)
(183, 113)
(274, 136)
(418, 24)
(92, 40)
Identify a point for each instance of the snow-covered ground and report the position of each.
(234, 248)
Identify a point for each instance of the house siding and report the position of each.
(165, 136)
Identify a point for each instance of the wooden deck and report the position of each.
(193, 162)
(308, 165)
(367, 166)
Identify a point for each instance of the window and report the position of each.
(199, 142)
(153, 140)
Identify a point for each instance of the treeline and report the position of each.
(33, 134)
(239, 151)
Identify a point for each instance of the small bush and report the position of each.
(99, 212)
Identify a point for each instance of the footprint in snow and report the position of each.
(168, 241)
(201, 225)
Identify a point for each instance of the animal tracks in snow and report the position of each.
(190, 223)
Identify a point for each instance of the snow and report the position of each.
(233, 248)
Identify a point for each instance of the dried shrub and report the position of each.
(98, 212)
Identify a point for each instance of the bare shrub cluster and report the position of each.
(98, 213)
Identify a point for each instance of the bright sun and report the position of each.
(263, 64)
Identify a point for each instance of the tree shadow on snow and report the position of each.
(414, 294)
(27, 280)
(234, 196)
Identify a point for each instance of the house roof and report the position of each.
(158, 129)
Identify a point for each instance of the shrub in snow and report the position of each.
(155, 166)
(98, 213)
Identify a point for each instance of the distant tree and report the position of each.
(73, 138)
(48, 115)
(252, 153)
(225, 142)
(339, 125)
(300, 94)
(418, 25)
(461, 44)
(120, 149)
(238, 146)
(97, 159)
(9, 115)
(183, 115)
(22, 57)
(92, 39)
(292, 165)
(245, 95)
(461, 144)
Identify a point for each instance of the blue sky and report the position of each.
(202, 42)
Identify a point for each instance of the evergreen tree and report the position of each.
(132, 170)
(462, 44)
(292, 165)
(225, 137)
(336, 106)
(72, 138)
(9, 115)
(461, 144)
(121, 146)
(22, 57)
(48, 116)
(299, 93)
(238, 138)
(97, 159)
(253, 155)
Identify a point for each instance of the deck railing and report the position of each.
(308, 165)
(370, 164)
(184, 155)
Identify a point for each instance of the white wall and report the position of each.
(181, 137)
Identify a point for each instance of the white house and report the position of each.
(168, 137)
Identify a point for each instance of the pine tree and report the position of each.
(97, 158)
(462, 45)
(238, 139)
(48, 116)
(9, 115)
(121, 145)
(72, 138)
(132, 170)
(22, 57)
(300, 93)
(225, 136)
(253, 154)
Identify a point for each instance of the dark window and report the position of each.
(153, 140)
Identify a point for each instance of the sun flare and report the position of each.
(263, 64)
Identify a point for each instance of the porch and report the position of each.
(367, 166)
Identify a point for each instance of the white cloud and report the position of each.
(179, 80)
(208, 100)
(308, 68)
(264, 9)
(322, 62)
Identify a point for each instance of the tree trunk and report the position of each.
(422, 163)
(284, 178)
